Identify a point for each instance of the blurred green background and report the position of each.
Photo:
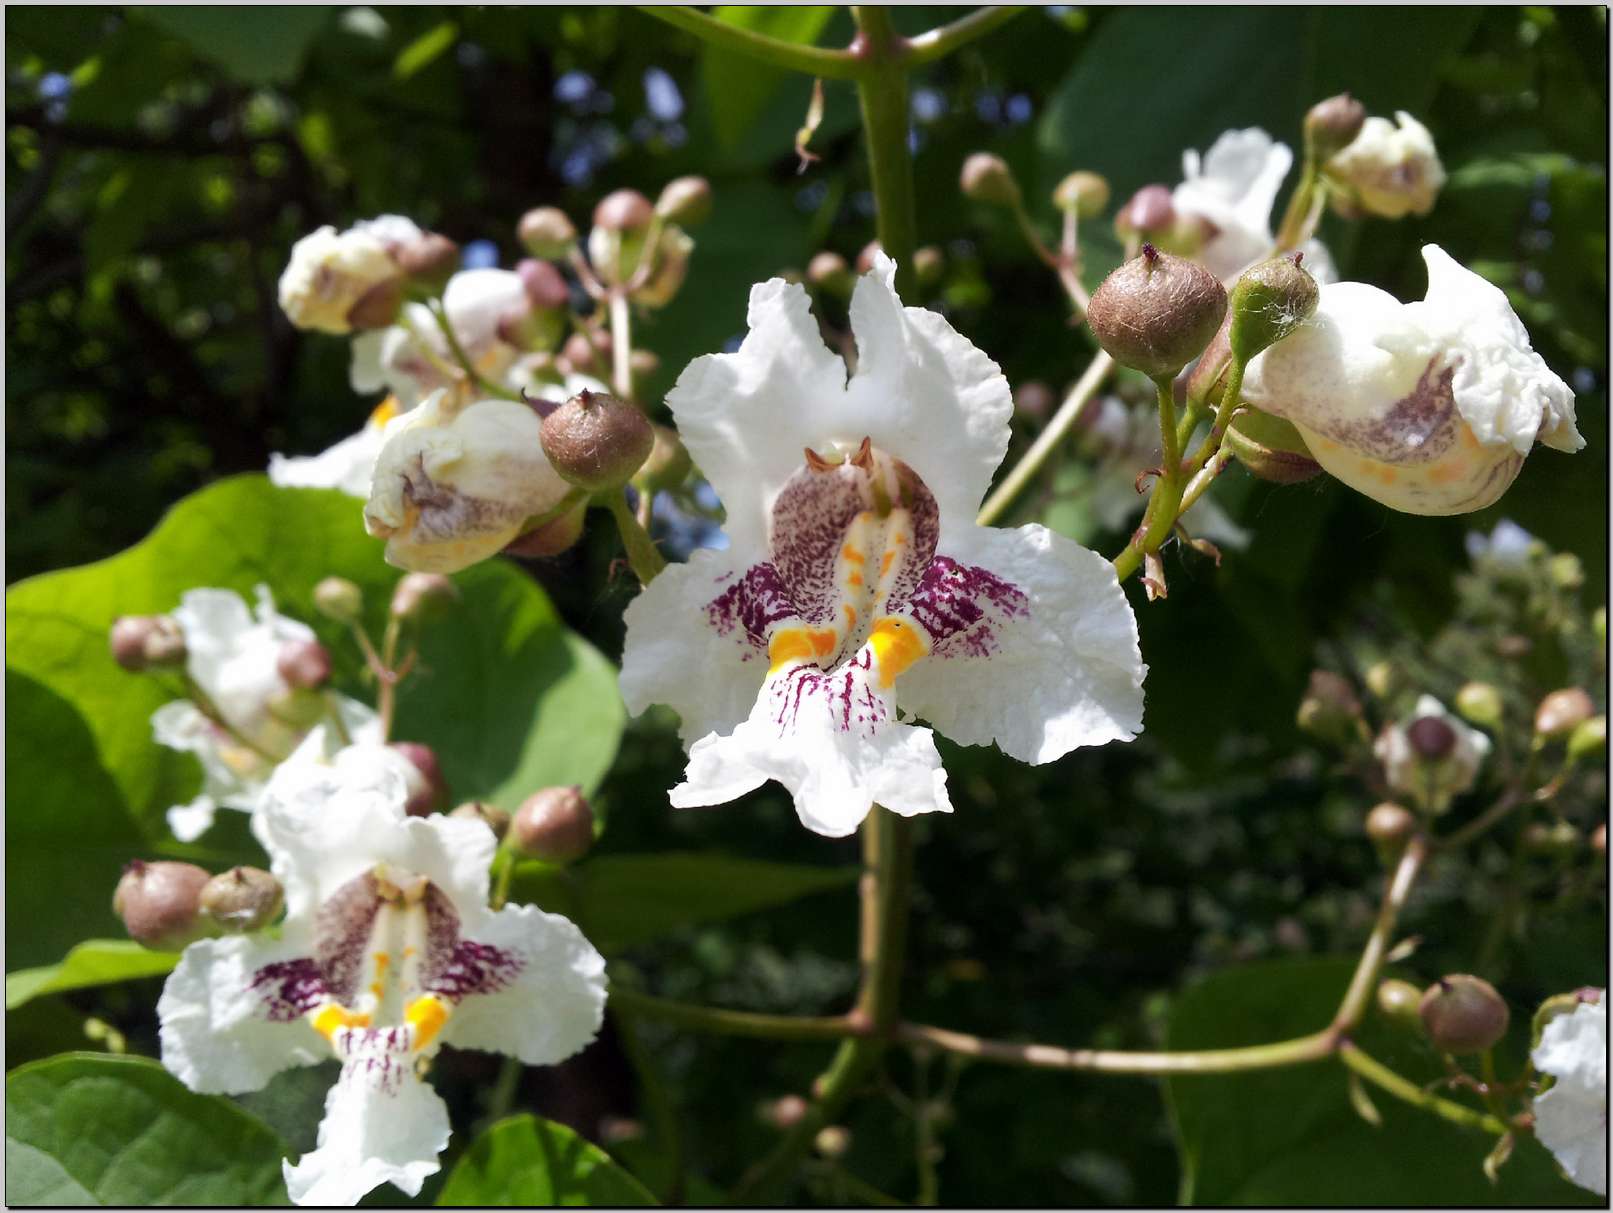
(161, 162)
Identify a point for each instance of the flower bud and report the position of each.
(1329, 709)
(596, 441)
(1479, 703)
(1390, 826)
(297, 708)
(1270, 448)
(430, 792)
(1599, 840)
(553, 537)
(1148, 212)
(832, 1141)
(377, 307)
(242, 899)
(866, 255)
(160, 903)
(143, 642)
(1381, 678)
(545, 286)
(1033, 400)
(1561, 712)
(1463, 1014)
(329, 272)
(1432, 757)
(685, 201)
(668, 464)
(929, 264)
(1566, 571)
(580, 353)
(1157, 312)
(303, 664)
(1269, 301)
(1550, 838)
(555, 825)
(339, 599)
(546, 232)
(423, 596)
(1588, 740)
(987, 178)
(623, 211)
(1082, 192)
(1398, 1001)
(784, 1112)
(829, 272)
(1561, 1004)
(1332, 125)
(430, 260)
(671, 255)
(1599, 627)
(493, 817)
(1431, 737)
(1389, 170)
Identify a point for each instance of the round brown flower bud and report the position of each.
(1156, 313)
(242, 899)
(491, 816)
(1390, 826)
(987, 178)
(1082, 192)
(623, 211)
(377, 307)
(555, 824)
(553, 537)
(128, 640)
(1332, 125)
(829, 272)
(1463, 1014)
(545, 286)
(1561, 712)
(685, 201)
(1148, 211)
(431, 792)
(1431, 737)
(304, 664)
(165, 644)
(430, 260)
(547, 232)
(1399, 1000)
(423, 596)
(160, 903)
(929, 263)
(339, 599)
(596, 441)
(1271, 448)
(668, 464)
(1269, 301)
(579, 352)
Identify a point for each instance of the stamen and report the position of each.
(864, 458)
(897, 645)
(426, 1015)
(817, 462)
(333, 1017)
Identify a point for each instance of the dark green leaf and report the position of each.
(95, 962)
(254, 44)
(528, 1161)
(739, 87)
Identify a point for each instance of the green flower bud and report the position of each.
(832, 1141)
(1271, 448)
(1479, 703)
(297, 707)
(555, 825)
(685, 201)
(1398, 1001)
(596, 441)
(1082, 192)
(1381, 679)
(1599, 627)
(1156, 313)
(1269, 301)
(1566, 571)
(829, 272)
(1561, 712)
(1463, 1014)
(491, 816)
(160, 903)
(1332, 125)
(987, 178)
(668, 464)
(339, 599)
(242, 899)
(423, 596)
(1588, 740)
(546, 232)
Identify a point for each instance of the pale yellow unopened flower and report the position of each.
(330, 271)
(1391, 169)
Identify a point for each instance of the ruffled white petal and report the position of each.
(554, 1005)
(1233, 190)
(346, 466)
(188, 822)
(1571, 1118)
(1066, 672)
(216, 1036)
(381, 1125)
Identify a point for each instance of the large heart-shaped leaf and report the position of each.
(529, 1161)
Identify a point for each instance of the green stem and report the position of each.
(642, 553)
(926, 1152)
(810, 60)
(621, 343)
(882, 95)
(733, 1023)
(1382, 1076)
(940, 42)
(1365, 979)
(440, 314)
(1314, 1047)
(1297, 218)
(658, 1104)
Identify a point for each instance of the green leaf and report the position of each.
(528, 1161)
(737, 86)
(509, 698)
(87, 1129)
(425, 50)
(254, 44)
(623, 900)
(1292, 1136)
(95, 962)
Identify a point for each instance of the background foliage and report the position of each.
(161, 163)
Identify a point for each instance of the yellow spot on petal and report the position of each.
(385, 411)
(332, 1017)
(854, 579)
(897, 644)
(426, 1015)
(852, 554)
(799, 644)
(886, 559)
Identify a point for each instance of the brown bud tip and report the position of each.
(987, 178)
(242, 899)
(829, 272)
(553, 537)
(596, 441)
(491, 816)
(1082, 192)
(1431, 737)
(685, 201)
(865, 256)
(1562, 712)
(555, 824)
(1150, 209)
(432, 258)
(668, 464)
(545, 286)
(339, 599)
(623, 211)
(377, 307)
(546, 232)
(422, 596)
(1157, 312)
(304, 664)
(1463, 1014)
(160, 903)
(1332, 125)
(430, 792)
(1033, 400)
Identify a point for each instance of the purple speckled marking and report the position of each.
(958, 606)
(844, 693)
(810, 517)
(290, 988)
(474, 968)
(342, 935)
(376, 1057)
(754, 603)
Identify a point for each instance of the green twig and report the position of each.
(943, 40)
(1383, 1077)
(665, 1123)
(642, 553)
(733, 1023)
(811, 60)
(882, 95)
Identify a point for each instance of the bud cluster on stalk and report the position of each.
(167, 905)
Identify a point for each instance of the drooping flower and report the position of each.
(252, 719)
(387, 952)
(347, 465)
(330, 272)
(1431, 756)
(1571, 1117)
(855, 575)
(1390, 169)
(1428, 407)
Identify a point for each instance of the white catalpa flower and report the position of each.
(1390, 170)
(855, 575)
(387, 952)
(1428, 407)
(330, 271)
(454, 485)
(253, 720)
(1432, 756)
(1571, 1118)
(347, 466)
